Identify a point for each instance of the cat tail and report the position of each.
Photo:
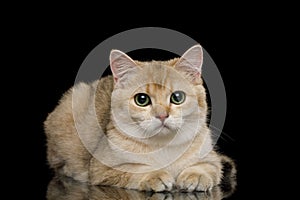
(229, 182)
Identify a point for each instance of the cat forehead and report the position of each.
(170, 63)
(154, 88)
(163, 87)
(155, 74)
(162, 74)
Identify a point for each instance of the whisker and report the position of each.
(196, 119)
(174, 122)
(213, 127)
(177, 130)
(144, 130)
(139, 122)
(140, 132)
(222, 132)
(190, 128)
(132, 128)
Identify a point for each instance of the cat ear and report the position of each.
(191, 62)
(121, 65)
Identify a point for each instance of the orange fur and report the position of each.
(179, 155)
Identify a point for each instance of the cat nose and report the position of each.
(162, 117)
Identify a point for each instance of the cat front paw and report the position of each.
(157, 182)
(194, 181)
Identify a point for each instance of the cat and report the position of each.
(142, 128)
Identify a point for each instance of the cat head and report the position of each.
(159, 100)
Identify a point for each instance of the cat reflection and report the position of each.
(67, 189)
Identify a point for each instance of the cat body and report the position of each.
(143, 128)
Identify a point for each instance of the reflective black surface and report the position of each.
(65, 188)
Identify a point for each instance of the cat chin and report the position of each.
(168, 138)
(163, 130)
(165, 134)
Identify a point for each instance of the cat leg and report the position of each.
(77, 170)
(200, 177)
(68, 160)
(157, 181)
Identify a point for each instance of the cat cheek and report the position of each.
(139, 115)
(175, 123)
(175, 113)
(144, 125)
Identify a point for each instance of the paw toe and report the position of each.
(194, 182)
(205, 183)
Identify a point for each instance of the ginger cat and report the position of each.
(143, 128)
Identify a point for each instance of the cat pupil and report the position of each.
(142, 99)
(178, 97)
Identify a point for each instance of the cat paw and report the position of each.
(157, 182)
(194, 181)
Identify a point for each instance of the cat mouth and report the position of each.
(162, 126)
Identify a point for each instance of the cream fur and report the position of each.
(97, 133)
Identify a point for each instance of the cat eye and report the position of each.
(178, 97)
(142, 99)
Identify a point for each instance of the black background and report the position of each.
(51, 52)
